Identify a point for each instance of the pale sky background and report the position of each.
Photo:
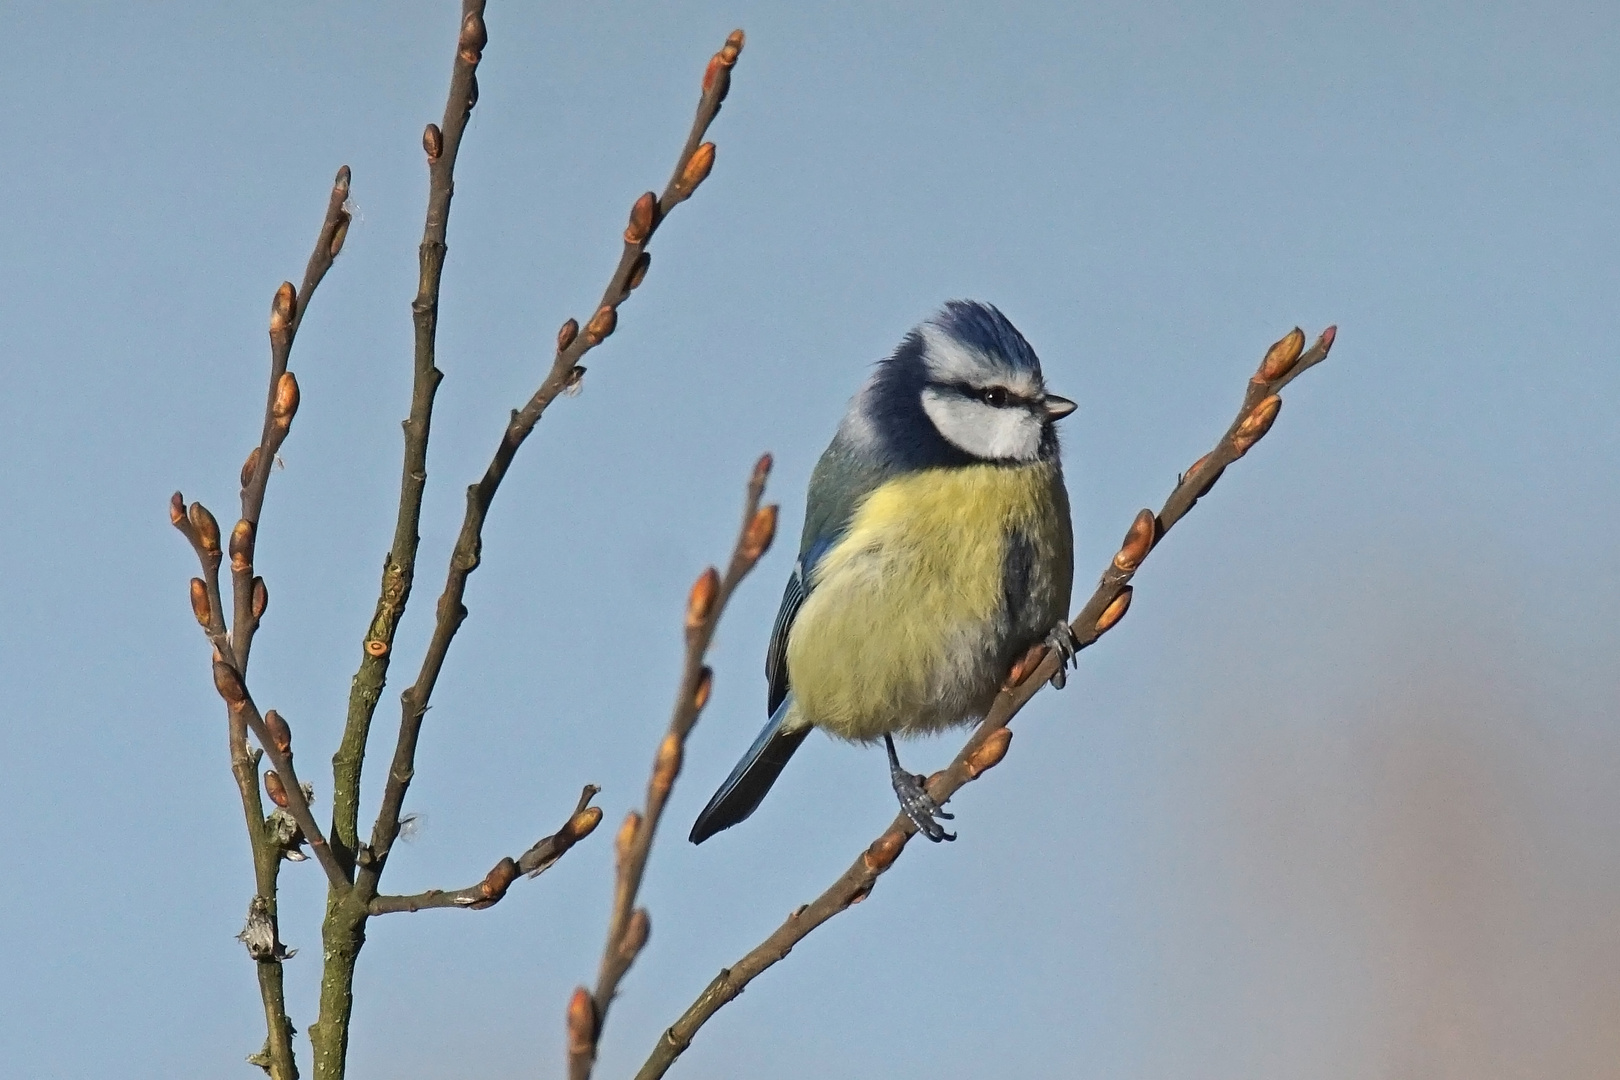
(1340, 798)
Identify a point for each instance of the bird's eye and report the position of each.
(993, 396)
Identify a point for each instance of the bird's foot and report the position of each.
(918, 805)
(1062, 641)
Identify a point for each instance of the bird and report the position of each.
(937, 550)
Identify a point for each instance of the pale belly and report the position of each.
(908, 628)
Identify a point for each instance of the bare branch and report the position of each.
(989, 742)
(534, 862)
(442, 144)
(628, 926)
(693, 166)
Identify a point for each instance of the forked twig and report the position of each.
(988, 744)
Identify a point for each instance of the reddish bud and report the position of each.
(250, 466)
(206, 528)
(1025, 666)
(340, 183)
(281, 309)
(1138, 542)
(177, 510)
(581, 825)
(990, 752)
(566, 334)
(638, 272)
(760, 532)
(473, 38)
(697, 169)
(285, 405)
(280, 733)
(1256, 424)
(432, 142)
(643, 219)
(667, 765)
(242, 547)
(339, 234)
(1326, 340)
(229, 684)
(700, 603)
(261, 598)
(636, 933)
(496, 882)
(601, 325)
(882, 853)
(626, 839)
(581, 1023)
(705, 684)
(1115, 610)
(200, 606)
(1281, 357)
(717, 66)
(274, 788)
(732, 47)
(762, 470)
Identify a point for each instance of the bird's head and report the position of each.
(963, 383)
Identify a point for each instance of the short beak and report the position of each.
(1057, 407)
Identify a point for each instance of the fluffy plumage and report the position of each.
(936, 550)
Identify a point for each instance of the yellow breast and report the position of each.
(901, 630)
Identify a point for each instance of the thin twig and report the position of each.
(534, 862)
(696, 159)
(989, 742)
(628, 925)
(442, 144)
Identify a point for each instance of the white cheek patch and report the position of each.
(983, 430)
(949, 361)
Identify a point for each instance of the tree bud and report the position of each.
(667, 765)
(643, 219)
(760, 532)
(1256, 424)
(883, 851)
(601, 325)
(581, 825)
(250, 466)
(1138, 542)
(990, 752)
(177, 510)
(432, 142)
(242, 547)
(496, 882)
(636, 932)
(340, 183)
(339, 233)
(566, 334)
(1115, 610)
(280, 733)
(732, 47)
(206, 528)
(1025, 666)
(700, 693)
(473, 38)
(1281, 357)
(200, 606)
(274, 788)
(581, 1023)
(261, 598)
(697, 169)
(700, 603)
(229, 684)
(285, 406)
(626, 839)
(638, 272)
(281, 309)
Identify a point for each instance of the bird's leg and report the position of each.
(918, 805)
(1061, 641)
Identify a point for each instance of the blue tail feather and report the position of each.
(743, 790)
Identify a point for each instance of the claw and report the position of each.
(915, 801)
(1062, 641)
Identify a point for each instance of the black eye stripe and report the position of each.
(998, 397)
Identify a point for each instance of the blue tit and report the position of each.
(937, 550)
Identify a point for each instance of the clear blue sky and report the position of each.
(1338, 798)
